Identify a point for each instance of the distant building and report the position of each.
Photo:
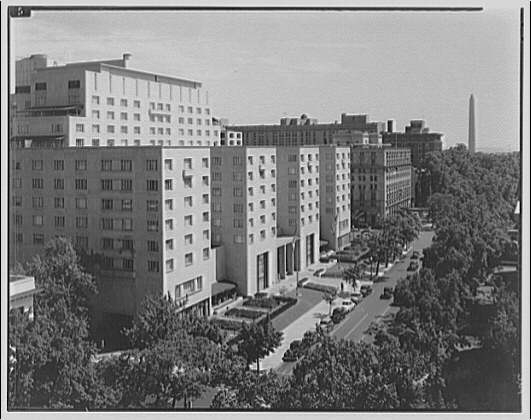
(416, 137)
(306, 131)
(471, 125)
(107, 103)
(21, 291)
(380, 183)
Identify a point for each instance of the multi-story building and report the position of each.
(306, 131)
(380, 182)
(141, 213)
(244, 215)
(230, 138)
(334, 168)
(21, 291)
(107, 103)
(298, 201)
(418, 138)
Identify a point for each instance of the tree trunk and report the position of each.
(258, 366)
(185, 402)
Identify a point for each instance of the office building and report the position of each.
(141, 214)
(380, 183)
(334, 168)
(299, 201)
(107, 103)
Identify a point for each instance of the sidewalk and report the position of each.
(295, 331)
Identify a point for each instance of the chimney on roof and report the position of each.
(125, 58)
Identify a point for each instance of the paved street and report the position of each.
(372, 308)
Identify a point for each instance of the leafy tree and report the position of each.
(353, 273)
(256, 341)
(52, 354)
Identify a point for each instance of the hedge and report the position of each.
(244, 313)
(228, 324)
(321, 287)
(266, 303)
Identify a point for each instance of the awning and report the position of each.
(220, 287)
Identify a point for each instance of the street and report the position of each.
(372, 308)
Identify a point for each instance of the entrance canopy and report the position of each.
(220, 287)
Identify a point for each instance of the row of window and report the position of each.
(111, 101)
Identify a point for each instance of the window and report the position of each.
(106, 204)
(188, 259)
(205, 199)
(205, 180)
(80, 128)
(106, 184)
(188, 220)
(37, 165)
(152, 225)
(110, 129)
(123, 130)
(38, 239)
(81, 222)
(251, 238)
(96, 116)
(206, 234)
(262, 235)
(188, 182)
(262, 204)
(216, 192)
(37, 202)
(123, 102)
(81, 184)
(110, 101)
(238, 239)
(17, 201)
(152, 205)
(168, 184)
(38, 183)
(95, 100)
(153, 266)
(169, 265)
(152, 185)
(205, 216)
(107, 223)
(37, 220)
(206, 253)
(151, 165)
(59, 165)
(59, 221)
(18, 219)
(136, 104)
(59, 184)
(81, 203)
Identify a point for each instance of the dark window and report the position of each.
(74, 84)
(40, 86)
(23, 89)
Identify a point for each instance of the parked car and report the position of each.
(326, 322)
(356, 297)
(366, 290)
(348, 305)
(387, 294)
(319, 273)
(338, 315)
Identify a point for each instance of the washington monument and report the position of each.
(471, 126)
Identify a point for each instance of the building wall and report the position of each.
(114, 224)
(135, 118)
(334, 201)
(380, 183)
(298, 197)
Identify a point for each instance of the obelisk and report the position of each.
(471, 126)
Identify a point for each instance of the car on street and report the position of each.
(356, 297)
(319, 273)
(348, 305)
(366, 290)
(326, 322)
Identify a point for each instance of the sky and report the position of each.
(261, 66)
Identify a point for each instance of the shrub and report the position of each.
(321, 287)
(267, 303)
(338, 315)
(244, 313)
(227, 324)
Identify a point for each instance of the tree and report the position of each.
(353, 273)
(329, 298)
(52, 354)
(257, 341)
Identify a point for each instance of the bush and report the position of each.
(244, 313)
(321, 287)
(266, 303)
(338, 315)
(227, 324)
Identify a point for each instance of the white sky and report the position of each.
(260, 66)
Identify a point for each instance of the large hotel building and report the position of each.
(163, 198)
